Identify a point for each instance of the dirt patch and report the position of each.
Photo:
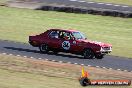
(66, 70)
(77, 68)
(23, 4)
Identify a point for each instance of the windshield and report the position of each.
(78, 35)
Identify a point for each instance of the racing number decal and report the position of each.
(66, 45)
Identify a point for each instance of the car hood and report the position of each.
(97, 43)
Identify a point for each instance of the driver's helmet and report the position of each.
(66, 36)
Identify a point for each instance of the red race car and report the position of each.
(71, 41)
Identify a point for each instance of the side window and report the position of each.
(65, 35)
(54, 34)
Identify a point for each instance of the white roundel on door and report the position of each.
(66, 45)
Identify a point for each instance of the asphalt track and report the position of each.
(88, 4)
(26, 50)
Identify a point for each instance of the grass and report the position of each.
(28, 80)
(19, 72)
(3, 2)
(17, 24)
(124, 2)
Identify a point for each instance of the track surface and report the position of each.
(111, 62)
(88, 4)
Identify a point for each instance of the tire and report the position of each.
(99, 56)
(43, 48)
(88, 54)
(84, 81)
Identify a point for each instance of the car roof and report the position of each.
(67, 30)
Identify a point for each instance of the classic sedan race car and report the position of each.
(71, 41)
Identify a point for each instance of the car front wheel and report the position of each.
(99, 56)
(43, 48)
(88, 54)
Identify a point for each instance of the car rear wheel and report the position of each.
(88, 54)
(44, 48)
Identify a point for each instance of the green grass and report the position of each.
(18, 72)
(3, 1)
(18, 24)
(124, 2)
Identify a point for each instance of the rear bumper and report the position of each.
(33, 43)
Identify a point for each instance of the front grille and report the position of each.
(106, 48)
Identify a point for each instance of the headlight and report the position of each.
(101, 49)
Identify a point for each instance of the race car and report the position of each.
(70, 41)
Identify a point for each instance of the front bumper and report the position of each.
(105, 50)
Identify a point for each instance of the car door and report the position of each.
(54, 41)
(64, 41)
(67, 43)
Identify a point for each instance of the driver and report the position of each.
(66, 36)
